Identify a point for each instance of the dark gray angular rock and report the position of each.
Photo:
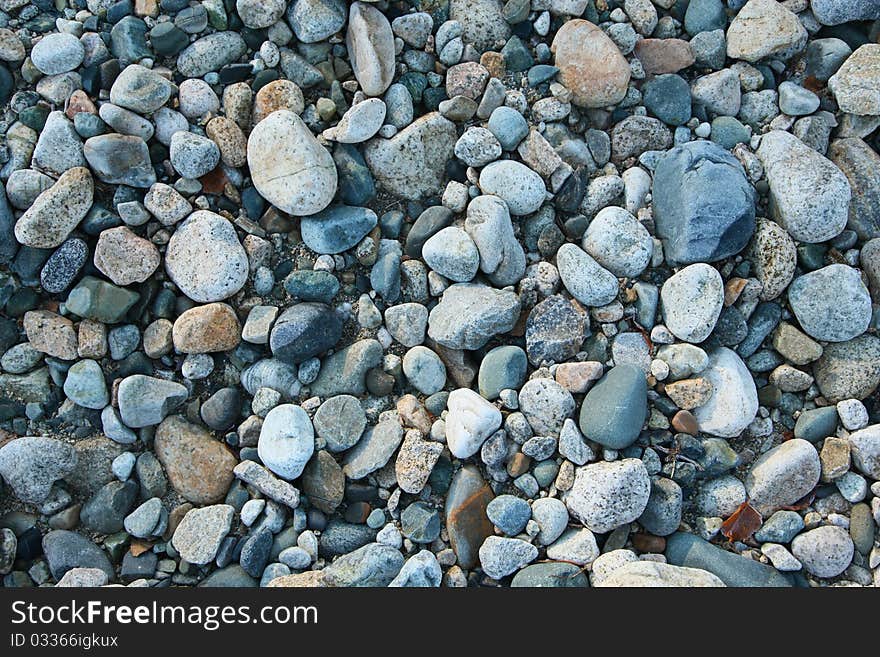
(105, 512)
(303, 331)
(694, 220)
(614, 410)
(555, 330)
(65, 550)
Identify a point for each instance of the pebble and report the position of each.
(614, 410)
(831, 304)
(500, 557)
(469, 314)
(734, 401)
(30, 465)
(855, 82)
(783, 475)
(57, 53)
(825, 551)
(692, 300)
(590, 65)
(286, 441)
(145, 400)
(120, 160)
(56, 212)
(765, 28)
(303, 331)
(471, 420)
(659, 575)
(515, 183)
(607, 495)
(618, 242)
(370, 44)
(584, 278)
(201, 531)
(225, 273)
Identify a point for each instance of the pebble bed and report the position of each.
(430, 293)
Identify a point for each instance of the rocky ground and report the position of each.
(439, 293)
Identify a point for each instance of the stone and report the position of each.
(50, 334)
(286, 441)
(57, 53)
(66, 550)
(340, 421)
(584, 278)
(283, 155)
(316, 20)
(650, 574)
(606, 495)
(373, 565)
(59, 147)
(453, 254)
(470, 421)
(201, 531)
(359, 123)
(734, 401)
(546, 405)
(774, 257)
(810, 195)
(125, 258)
(501, 368)
(370, 44)
(848, 369)
(552, 574)
(407, 323)
(57, 211)
(198, 466)
(695, 224)
(831, 304)
(140, 89)
(210, 53)
(865, 450)
(344, 371)
(555, 330)
(824, 551)
(469, 314)
(205, 329)
(516, 184)
(145, 400)
(105, 512)
(411, 164)
(373, 450)
(691, 551)
(192, 155)
(765, 28)
(85, 385)
(303, 331)
(424, 370)
(206, 280)
(692, 300)
(500, 557)
(854, 85)
(614, 410)
(618, 242)
(415, 461)
(31, 464)
(120, 160)
(421, 570)
(95, 299)
(783, 475)
(590, 65)
(858, 162)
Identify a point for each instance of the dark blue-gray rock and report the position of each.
(355, 185)
(120, 160)
(816, 424)
(555, 330)
(824, 56)
(305, 330)
(693, 552)
(232, 576)
(704, 16)
(831, 304)
(105, 512)
(614, 410)
(836, 12)
(8, 243)
(502, 368)
(696, 223)
(668, 97)
(342, 537)
(312, 285)
(763, 320)
(372, 565)
(420, 523)
(134, 567)
(128, 40)
(663, 514)
(385, 274)
(727, 132)
(65, 550)
(337, 229)
(255, 552)
(430, 222)
(552, 574)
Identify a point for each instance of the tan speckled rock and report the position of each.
(765, 28)
(57, 211)
(125, 258)
(205, 329)
(590, 64)
(50, 333)
(229, 139)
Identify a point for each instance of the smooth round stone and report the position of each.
(140, 89)
(584, 278)
(337, 229)
(205, 259)
(668, 97)
(832, 303)
(521, 188)
(590, 64)
(120, 160)
(57, 53)
(453, 254)
(477, 147)
(695, 223)
(825, 551)
(287, 441)
(359, 123)
(124, 257)
(783, 475)
(85, 385)
(692, 301)
(614, 409)
(197, 99)
(305, 330)
(57, 211)
(734, 401)
(289, 167)
(618, 242)
(551, 574)
(774, 257)
(508, 126)
(30, 465)
(509, 513)
(794, 100)
(407, 323)
(662, 515)
(64, 265)
(424, 370)
(502, 368)
(340, 421)
(210, 53)
(551, 516)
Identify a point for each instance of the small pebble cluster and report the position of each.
(555, 293)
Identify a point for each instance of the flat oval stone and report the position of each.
(287, 441)
(289, 167)
(590, 64)
(57, 211)
(521, 188)
(337, 229)
(370, 44)
(614, 410)
(205, 259)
